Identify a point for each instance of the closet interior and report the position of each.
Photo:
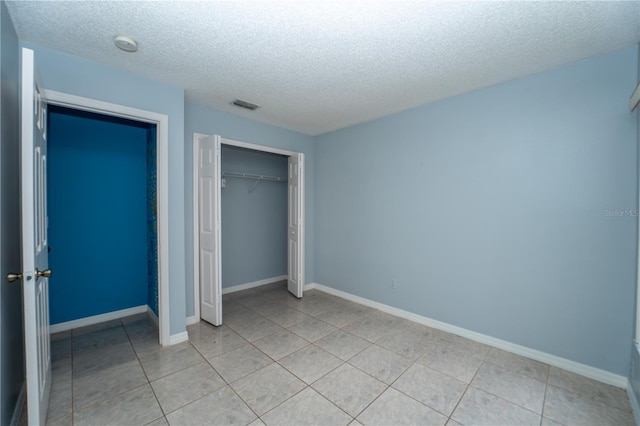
(101, 187)
(254, 208)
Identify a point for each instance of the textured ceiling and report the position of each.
(317, 66)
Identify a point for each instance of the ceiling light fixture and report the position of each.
(125, 43)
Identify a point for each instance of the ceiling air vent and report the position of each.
(244, 104)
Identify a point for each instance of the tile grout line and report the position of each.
(164, 415)
(544, 398)
(307, 386)
(465, 391)
(427, 405)
(484, 361)
(115, 395)
(240, 378)
(372, 343)
(299, 392)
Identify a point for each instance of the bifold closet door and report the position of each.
(295, 282)
(209, 229)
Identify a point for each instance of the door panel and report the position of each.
(295, 282)
(209, 229)
(34, 243)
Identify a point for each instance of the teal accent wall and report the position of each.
(98, 210)
(152, 220)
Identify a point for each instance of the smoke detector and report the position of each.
(125, 43)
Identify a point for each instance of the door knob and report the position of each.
(46, 273)
(13, 277)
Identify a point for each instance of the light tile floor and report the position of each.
(321, 360)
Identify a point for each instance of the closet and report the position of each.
(101, 191)
(254, 207)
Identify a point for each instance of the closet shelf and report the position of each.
(257, 178)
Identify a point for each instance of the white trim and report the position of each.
(152, 315)
(174, 339)
(195, 197)
(633, 103)
(635, 98)
(631, 394)
(94, 105)
(633, 401)
(162, 200)
(637, 336)
(192, 320)
(302, 224)
(17, 410)
(246, 286)
(96, 319)
(556, 361)
(162, 189)
(196, 226)
(255, 147)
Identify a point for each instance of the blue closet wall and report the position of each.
(98, 214)
(254, 224)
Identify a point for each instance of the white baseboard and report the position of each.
(556, 361)
(192, 320)
(259, 283)
(17, 410)
(96, 319)
(153, 316)
(633, 401)
(174, 339)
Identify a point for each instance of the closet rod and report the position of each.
(251, 176)
(258, 178)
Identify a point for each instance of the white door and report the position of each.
(295, 283)
(209, 229)
(34, 243)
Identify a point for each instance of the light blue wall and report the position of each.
(254, 224)
(69, 74)
(490, 211)
(208, 121)
(11, 339)
(97, 192)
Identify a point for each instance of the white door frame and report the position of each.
(162, 189)
(196, 237)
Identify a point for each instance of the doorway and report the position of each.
(161, 122)
(102, 217)
(207, 187)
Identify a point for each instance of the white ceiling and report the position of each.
(317, 66)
